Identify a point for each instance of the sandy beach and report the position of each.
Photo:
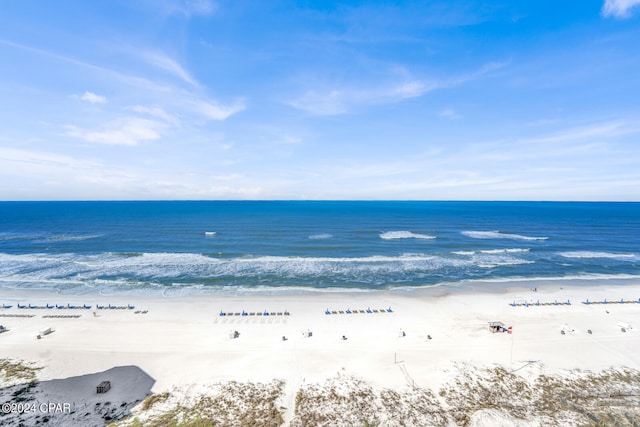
(409, 341)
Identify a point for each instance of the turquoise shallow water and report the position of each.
(184, 247)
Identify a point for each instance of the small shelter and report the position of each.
(103, 387)
(496, 327)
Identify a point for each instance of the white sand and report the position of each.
(184, 342)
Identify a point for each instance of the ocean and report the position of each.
(190, 247)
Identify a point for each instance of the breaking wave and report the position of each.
(498, 235)
(392, 235)
(321, 236)
(594, 255)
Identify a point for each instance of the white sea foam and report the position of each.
(321, 236)
(67, 238)
(391, 235)
(492, 251)
(210, 233)
(498, 235)
(609, 255)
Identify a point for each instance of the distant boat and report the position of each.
(210, 233)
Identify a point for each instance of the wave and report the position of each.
(210, 233)
(392, 235)
(321, 236)
(498, 235)
(152, 267)
(608, 255)
(492, 251)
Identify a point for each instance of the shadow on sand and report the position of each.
(75, 400)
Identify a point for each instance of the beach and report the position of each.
(416, 340)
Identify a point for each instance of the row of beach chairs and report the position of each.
(367, 311)
(622, 301)
(115, 307)
(17, 315)
(49, 306)
(62, 316)
(538, 303)
(73, 307)
(254, 313)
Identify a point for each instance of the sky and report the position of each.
(245, 99)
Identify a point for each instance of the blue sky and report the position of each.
(203, 99)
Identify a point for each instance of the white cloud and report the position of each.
(214, 111)
(125, 131)
(339, 101)
(448, 113)
(164, 62)
(158, 112)
(619, 8)
(93, 98)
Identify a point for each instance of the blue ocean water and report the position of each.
(225, 246)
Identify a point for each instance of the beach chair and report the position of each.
(327, 311)
(513, 304)
(131, 307)
(222, 313)
(21, 306)
(348, 311)
(389, 310)
(568, 302)
(286, 313)
(586, 302)
(244, 313)
(369, 310)
(50, 306)
(87, 306)
(621, 301)
(266, 313)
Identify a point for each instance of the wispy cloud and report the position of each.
(157, 112)
(215, 111)
(620, 8)
(345, 98)
(339, 101)
(189, 8)
(92, 98)
(166, 63)
(448, 113)
(129, 131)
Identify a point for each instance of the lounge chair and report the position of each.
(587, 302)
(21, 306)
(50, 306)
(389, 310)
(369, 310)
(348, 311)
(222, 313)
(131, 307)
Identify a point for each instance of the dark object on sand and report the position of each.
(103, 387)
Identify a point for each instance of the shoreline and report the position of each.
(184, 343)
